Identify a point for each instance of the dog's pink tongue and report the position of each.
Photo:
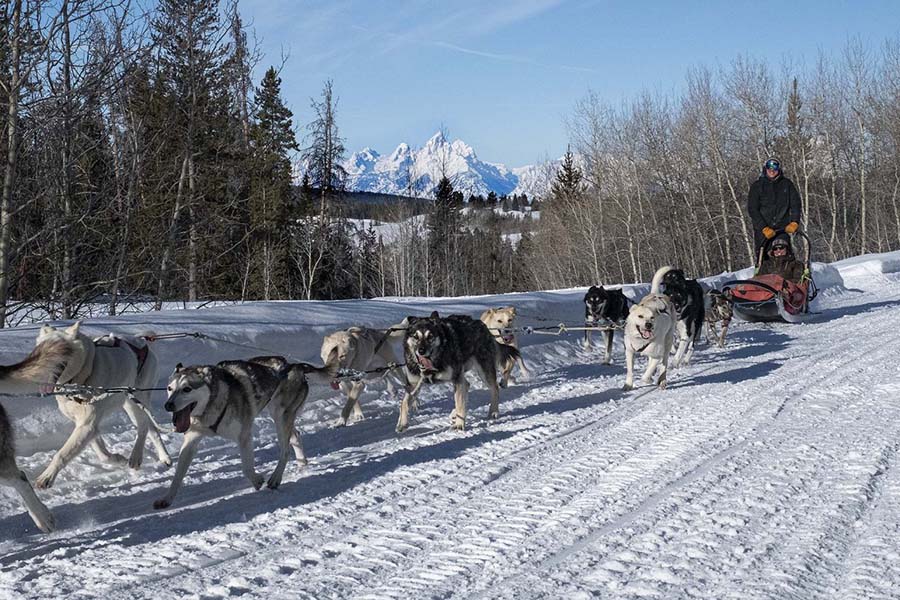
(646, 334)
(426, 363)
(335, 385)
(182, 419)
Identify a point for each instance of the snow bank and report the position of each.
(869, 265)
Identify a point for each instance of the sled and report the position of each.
(767, 298)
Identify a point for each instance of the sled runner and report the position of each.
(772, 297)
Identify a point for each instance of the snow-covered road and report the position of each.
(768, 469)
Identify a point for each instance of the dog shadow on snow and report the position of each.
(219, 501)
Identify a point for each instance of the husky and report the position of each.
(718, 310)
(110, 361)
(604, 307)
(443, 349)
(37, 373)
(224, 399)
(500, 322)
(360, 349)
(650, 330)
(687, 298)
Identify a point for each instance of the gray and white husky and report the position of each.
(111, 361)
(225, 398)
(443, 350)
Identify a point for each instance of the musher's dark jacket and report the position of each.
(772, 203)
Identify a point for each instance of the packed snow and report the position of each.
(768, 469)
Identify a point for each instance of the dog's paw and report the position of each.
(494, 414)
(340, 422)
(46, 523)
(162, 503)
(166, 461)
(273, 482)
(401, 426)
(45, 481)
(627, 387)
(503, 383)
(607, 361)
(663, 384)
(257, 481)
(458, 423)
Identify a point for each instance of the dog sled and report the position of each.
(771, 297)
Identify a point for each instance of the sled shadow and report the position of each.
(848, 311)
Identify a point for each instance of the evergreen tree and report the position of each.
(326, 150)
(444, 226)
(568, 183)
(272, 141)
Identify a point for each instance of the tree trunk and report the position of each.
(12, 155)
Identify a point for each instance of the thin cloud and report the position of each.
(511, 58)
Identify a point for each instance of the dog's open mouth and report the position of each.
(335, 384)
(181, 419)
(645, 333)
(425, 362)
(508, 338)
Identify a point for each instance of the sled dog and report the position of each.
(650, 331)
(443, 349)
(499, 322)
(718, 310)
(224, 399)
(360, 349)
(110, 361)
(687, 298)
(40, 369)
(604, 307)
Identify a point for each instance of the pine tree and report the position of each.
(326, 150)
(444, 226)
(272, 141)
(568, 183)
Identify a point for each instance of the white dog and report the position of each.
(360, 349)
(650, 330)
(500, 322)
(105, 362)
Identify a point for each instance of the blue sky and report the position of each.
(503, 76)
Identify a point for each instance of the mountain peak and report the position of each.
(370, 172)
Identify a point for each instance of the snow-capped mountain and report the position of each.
(409, 171)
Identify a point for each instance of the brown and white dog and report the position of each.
(500, 322)
(718, 310)
(650, 331)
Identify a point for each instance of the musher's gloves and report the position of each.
(792, 227)
(768, 232)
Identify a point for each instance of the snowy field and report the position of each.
(768, 469)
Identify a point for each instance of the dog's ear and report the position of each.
(435, 315)
(72, 330)
(177, 368)
(631, 308)
(47, 328)
(512, 311)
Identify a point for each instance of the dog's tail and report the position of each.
(323, 375)
(38, 371)
(658, 277)
(507, 354)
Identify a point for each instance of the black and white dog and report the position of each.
(687, 298)
(604, 307)
(443, 350)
